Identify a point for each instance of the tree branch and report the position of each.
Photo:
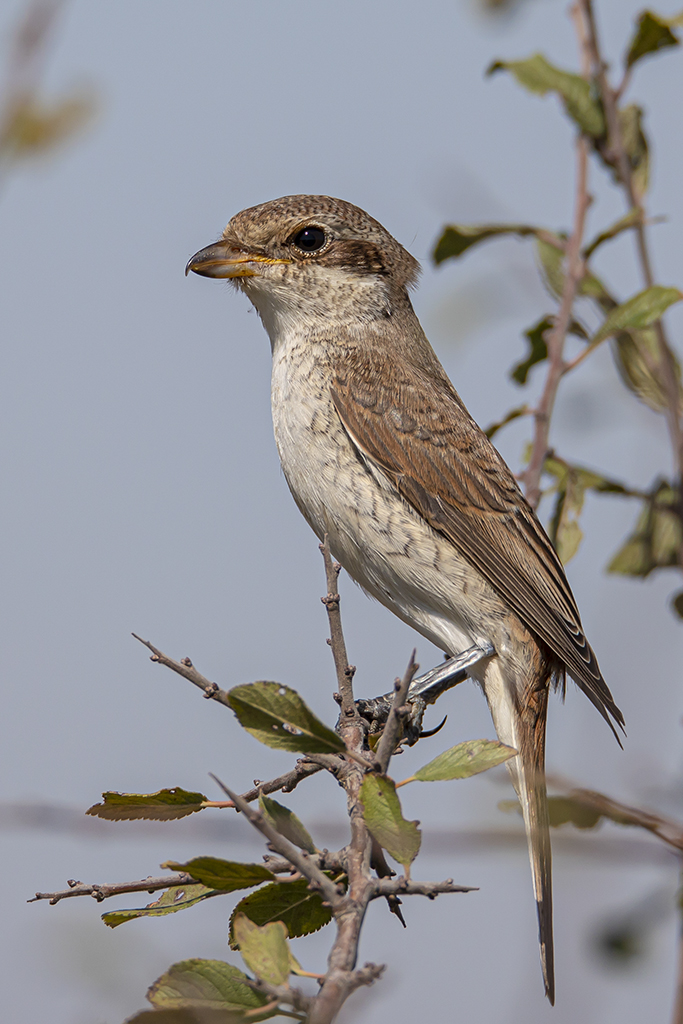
(574, 267)
(399, 712)
(345, 672)
(618, 155)
(186, 669)
(298, 858)
(402, 886)
(103, 892)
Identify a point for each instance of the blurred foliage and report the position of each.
(30, 125)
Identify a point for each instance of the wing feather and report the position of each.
(422, 438)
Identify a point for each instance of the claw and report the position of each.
(423, 691)
(432, 732)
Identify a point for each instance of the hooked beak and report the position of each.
(223, 259)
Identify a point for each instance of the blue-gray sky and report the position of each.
(141, 487)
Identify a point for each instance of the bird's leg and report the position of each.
(424, 690)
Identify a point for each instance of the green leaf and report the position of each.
(652, 34)
(385, 822)
(286, 823)
(564, 531)
(571, 484)
(301, 910)
(642, 310)
(464, 760)
(539, 76)
(458, 238)
(637, 149)
(637, 358)
(538, 349)
(277, 716)
(551, 259)
(629, 220)
(195, 1015)
(656, 541)
(166, 805)
(514, 414)
(562, 810)
(226, 875)
(264, 950)
(178, 897)
(677, 603)
(207, 984)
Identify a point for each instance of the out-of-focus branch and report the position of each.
(103, 892)
(574, 266)
(617, 153)
(666, 829)
(573, 272)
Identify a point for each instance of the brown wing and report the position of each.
(418, 432)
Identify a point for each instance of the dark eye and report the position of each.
(310, 239)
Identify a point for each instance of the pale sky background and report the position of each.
(142, 491)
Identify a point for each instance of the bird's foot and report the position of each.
(424, 690)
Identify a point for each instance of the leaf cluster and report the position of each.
(644, 362)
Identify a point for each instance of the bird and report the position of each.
(382, 456)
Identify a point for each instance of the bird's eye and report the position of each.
(309, 239)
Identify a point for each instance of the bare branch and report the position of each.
(301, 860)
(186, 669)
(345, 672)
(399, 712)
(287, 782)
(574, 268)
(402, 886)
(103, 892)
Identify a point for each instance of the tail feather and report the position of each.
(519, 716)
(528, 775)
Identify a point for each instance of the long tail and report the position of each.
(520, 722)
(528, 776)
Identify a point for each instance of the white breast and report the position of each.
(378, 538)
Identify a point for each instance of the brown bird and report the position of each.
(381, 454)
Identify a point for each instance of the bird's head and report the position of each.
(310, 259)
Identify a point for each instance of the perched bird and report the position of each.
(381, 454)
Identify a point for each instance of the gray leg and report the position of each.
(447, 675)
(424, 690)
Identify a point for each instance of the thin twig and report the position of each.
(402, 886)
(574, 269)
(287, 782)
(666, 829)
(345, 672)
(186, 669)
(397, 715)
(103, 892)
(298, 858)
(617, 153)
